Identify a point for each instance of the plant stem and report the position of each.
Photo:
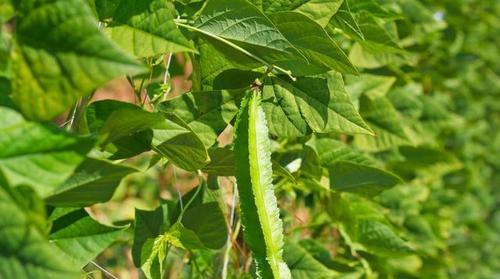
(230, 232)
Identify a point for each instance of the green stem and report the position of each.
(198, 189)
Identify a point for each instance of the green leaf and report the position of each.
(314, 43)
(321, 11)
(148, 225)
(363, 222)
(380, 239)
(241, 22)
(25, 252)
(263, 229)
(385, 122)
(59, 55)
(208, 223)
(377, 37)
(182, 237)
(6, 11)
(320, 101)
(240, 25)
(147, 28)
(221, 162)
(345, 21)
(359, 179)
(184, 149)
(206, 113)
(105, 8)
(373, 86)
(94, 181)
(125, 146)
(79, 237)
(44, 165)
(172, 137)
(303, 265)
(331, 151)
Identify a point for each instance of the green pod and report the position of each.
(263, 229)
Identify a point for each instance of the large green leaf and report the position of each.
(79, 237)
(359, 179)
(147, 28)
(206, 113)
(26, 252)
(38, 155)
(314, 43)
(319, 101)
(263, 229)
(240, 25)
(59, 55)
(94, 181)
(208, 223)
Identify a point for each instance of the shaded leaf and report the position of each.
(94, 181)
(81, 238)
(44, 165)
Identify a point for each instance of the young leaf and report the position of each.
(79, 237)
(148, 226)
(263, 229)
(147, 28)
(44, 165)
(59, 55)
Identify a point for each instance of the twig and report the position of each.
(104, 270)
(230, 232)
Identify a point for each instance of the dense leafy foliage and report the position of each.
(317, 139)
